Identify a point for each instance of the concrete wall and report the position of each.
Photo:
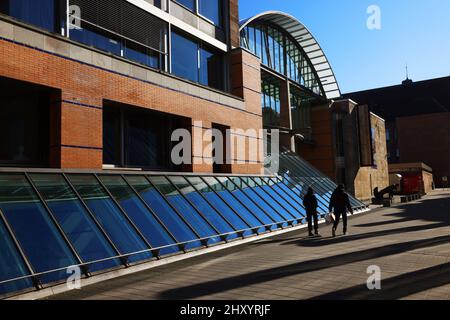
(368, 178)
(86, 77)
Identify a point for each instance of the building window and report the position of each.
(271, 102)
(279, 52)
(143, 55)
(211, 65)
(301, 105)
(137, 138)
(189, 4)
(24, 124)
(184, 57)
(98, 38)
(192, 61)
(43, 14)
(211, 9)
(120, 28)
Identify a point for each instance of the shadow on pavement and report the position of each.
(319, 242)
(397, 287)
(217, 286)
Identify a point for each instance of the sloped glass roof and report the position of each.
(104, 221)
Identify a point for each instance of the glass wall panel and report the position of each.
(202, 206)
(220, 204)
(144, 55)
(259, 198)
(79, 227)
(11, 264)
(39, 238)
(278, 201)
(98, 38)
(190, 4)
(211, 68)
(183, 207)
(194, 61)
(165, 212)
(271, 100)
(138, 213)
(290, 200)
(281, 53)
(109, 215)
(211, 9)
(184, 57)
(43, 13)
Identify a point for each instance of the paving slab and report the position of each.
(410, 243)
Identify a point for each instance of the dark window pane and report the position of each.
(136, 210)
(11, 264)
(211, 68)
(190, 4)
(145, 139)
(24, 124)
(41, 13)
(211, 9)
(142, 55)
(184, 57)
(167, 215)
(111, 136)
(97, 38)
(38, 236)
(79, 227)
(199, 202)
(113, 221)
(188, 212)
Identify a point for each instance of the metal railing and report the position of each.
(204, 240)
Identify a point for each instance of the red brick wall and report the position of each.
(77, 120)
(234, 23)
(426, 139)
(321, 154)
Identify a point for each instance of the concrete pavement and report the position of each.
(409, 243)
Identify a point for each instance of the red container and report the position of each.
(412, 183)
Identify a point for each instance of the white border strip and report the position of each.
(179, 24)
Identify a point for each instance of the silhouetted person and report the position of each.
(340, 202)
(310, 204)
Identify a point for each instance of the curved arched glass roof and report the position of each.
(315, 57)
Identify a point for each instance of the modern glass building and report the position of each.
(92, 92)
(295, 73)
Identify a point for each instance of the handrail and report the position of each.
(127, 255)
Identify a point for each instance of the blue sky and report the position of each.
(413, 32)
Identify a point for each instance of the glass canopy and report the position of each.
(101, 222)
(281, 53)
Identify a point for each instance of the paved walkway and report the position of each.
(410, 243)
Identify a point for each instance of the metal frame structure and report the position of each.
(307, 43)
(281, 198)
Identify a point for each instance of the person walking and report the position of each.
(310, 204)
(340, 202)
